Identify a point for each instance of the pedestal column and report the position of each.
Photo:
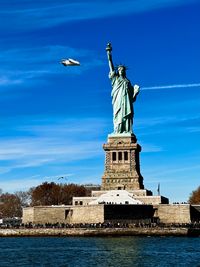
(122, 166)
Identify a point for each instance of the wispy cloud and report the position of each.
(188, 122)
(23, 184)
(29, 64)
(18, 184)
(40, 145)
(187, 85)
(150, 148)
(172, 170)
(5, 81)
(174, 125)
(59, 127)
(154, 121)
(194, 129)
(31, 153)
(48, 13)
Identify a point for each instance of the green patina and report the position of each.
(123, 95)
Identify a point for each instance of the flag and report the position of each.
(158, 189)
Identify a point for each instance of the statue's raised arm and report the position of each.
(109, 54)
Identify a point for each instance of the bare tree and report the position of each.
(72, 190)
(10, 206)
(45, 194)
(55, 194)
(25, 197)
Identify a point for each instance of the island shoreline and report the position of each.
(101, 232)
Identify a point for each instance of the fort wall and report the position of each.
(63, 214)
(174, 213)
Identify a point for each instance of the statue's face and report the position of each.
(122, 71)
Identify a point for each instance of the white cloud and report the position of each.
(194, 129)
(24, 153)
(149, 148)
(6, 81)
(29, 64)
(186, 123)
(149, 122)
(187, 85)
(20, 184)
(49, 144)
(172, 170)
(60, 126)
(23, 184)
(48, 13)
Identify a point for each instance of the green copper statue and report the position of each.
(123, 95)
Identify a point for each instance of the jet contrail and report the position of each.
(171, 86)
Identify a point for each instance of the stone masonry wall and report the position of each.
(152, 200)
(64, 214)
(176, 213)
(88, 214)
(49, 214)
(28, 215)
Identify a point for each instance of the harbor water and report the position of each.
(97, 251)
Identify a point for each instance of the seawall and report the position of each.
(99, 232)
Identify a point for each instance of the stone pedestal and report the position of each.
(122, 166)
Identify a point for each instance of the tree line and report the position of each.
(11, 205)
(45, 194)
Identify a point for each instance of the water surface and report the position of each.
(104, 252)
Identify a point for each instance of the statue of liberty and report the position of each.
(123, 95)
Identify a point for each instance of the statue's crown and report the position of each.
(121, 66)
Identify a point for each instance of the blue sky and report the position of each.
(54, 119)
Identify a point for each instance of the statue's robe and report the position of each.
(122, 101)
